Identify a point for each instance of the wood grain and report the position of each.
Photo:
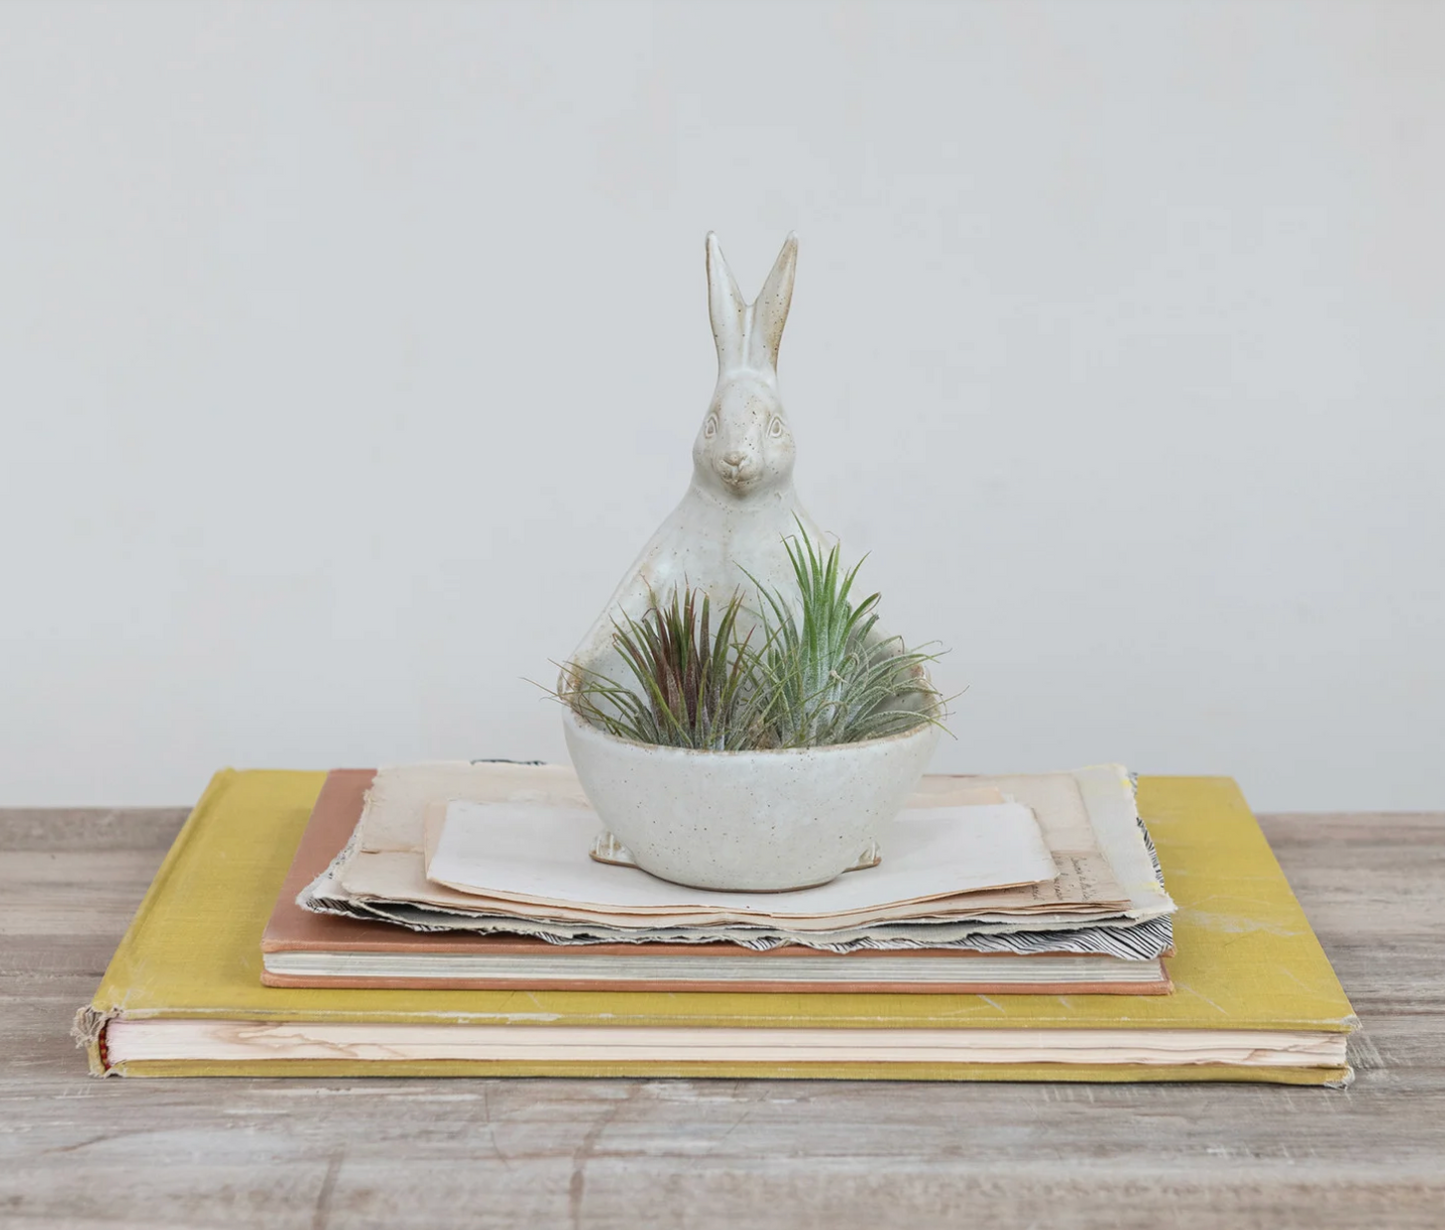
(755, 1154)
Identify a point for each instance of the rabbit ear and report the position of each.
(770, 312)
(726, 307)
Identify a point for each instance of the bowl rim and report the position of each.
(590, 730)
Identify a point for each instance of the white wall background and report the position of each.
(349, 352)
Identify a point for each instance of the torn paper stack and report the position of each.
(1055, 862)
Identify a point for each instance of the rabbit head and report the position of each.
(745, 446)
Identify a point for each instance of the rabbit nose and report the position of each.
(735, 458)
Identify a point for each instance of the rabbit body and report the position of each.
(741, 503)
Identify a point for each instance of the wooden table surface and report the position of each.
(76, 1151)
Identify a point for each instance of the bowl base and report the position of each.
(607, 849)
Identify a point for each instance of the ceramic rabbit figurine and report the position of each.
(740, 504)
(765, 819)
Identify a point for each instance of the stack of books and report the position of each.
(471, 919)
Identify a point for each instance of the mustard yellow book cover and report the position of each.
(1246, 960)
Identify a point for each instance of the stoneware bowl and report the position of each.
(747, 821)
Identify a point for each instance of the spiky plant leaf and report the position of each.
(693, 688)
(827, 678)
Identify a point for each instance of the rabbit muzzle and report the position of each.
(739, 470)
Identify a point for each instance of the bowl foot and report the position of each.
(607, 849)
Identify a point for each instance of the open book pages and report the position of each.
(220, 1041)
(1107, 895)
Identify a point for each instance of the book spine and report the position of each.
(92, 1020)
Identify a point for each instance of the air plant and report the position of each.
(825, 677)
(819, 674)
(694, 689)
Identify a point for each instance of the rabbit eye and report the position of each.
(709, 428)
(775, 428)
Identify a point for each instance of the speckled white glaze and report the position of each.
(769, 820)
(757, 821)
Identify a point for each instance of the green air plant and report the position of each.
(824, 675)
(819, 674)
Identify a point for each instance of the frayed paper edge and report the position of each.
(88, 1030)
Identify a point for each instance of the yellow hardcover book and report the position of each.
(1255, 996)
